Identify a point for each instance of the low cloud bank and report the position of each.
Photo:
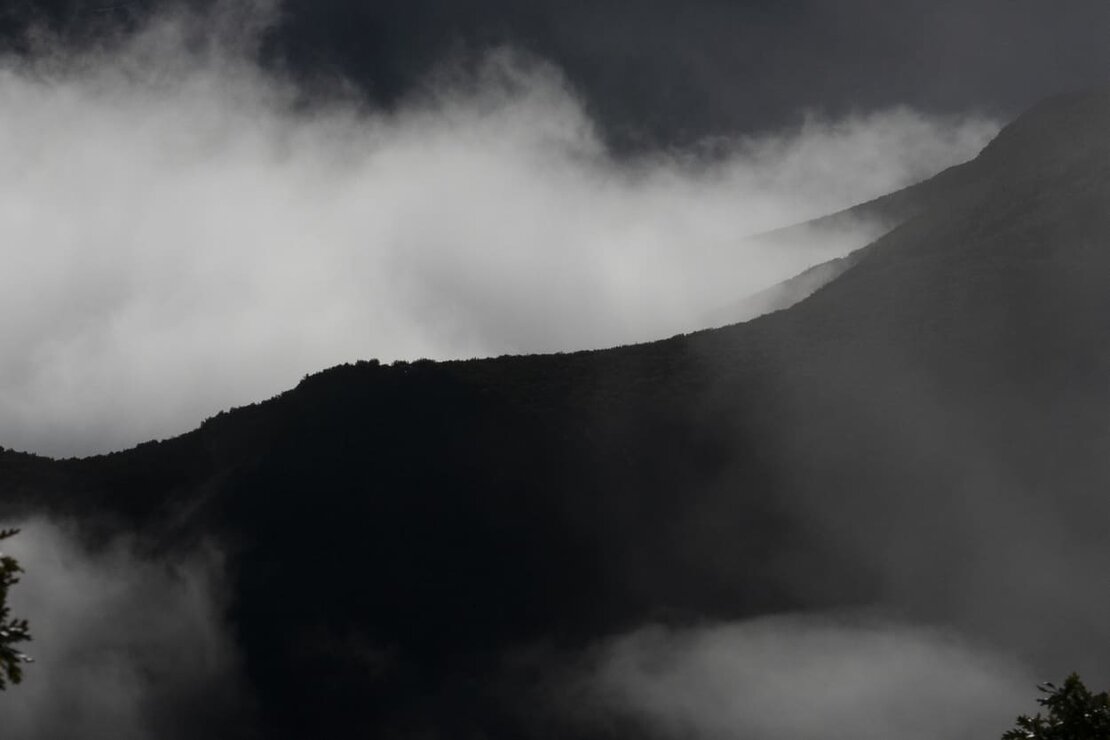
(124, 647)
(182, 232)
(789, 677)
(133, 648)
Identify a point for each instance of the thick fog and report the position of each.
(183, 232)
(124, 646)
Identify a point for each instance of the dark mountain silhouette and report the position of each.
(928, 432)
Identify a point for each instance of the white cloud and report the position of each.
(784, 678)
(179, 236)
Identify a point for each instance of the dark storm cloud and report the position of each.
(677, 71)
(666, 71)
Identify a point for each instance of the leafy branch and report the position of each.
(1072, 713)
(12, 631)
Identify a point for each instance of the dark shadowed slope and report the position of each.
(927, 433)
(873, 217)
(785, 294)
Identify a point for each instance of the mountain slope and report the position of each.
(843, 229)
(926, 433)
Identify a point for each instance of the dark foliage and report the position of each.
(1072, 712)
(13, 631)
